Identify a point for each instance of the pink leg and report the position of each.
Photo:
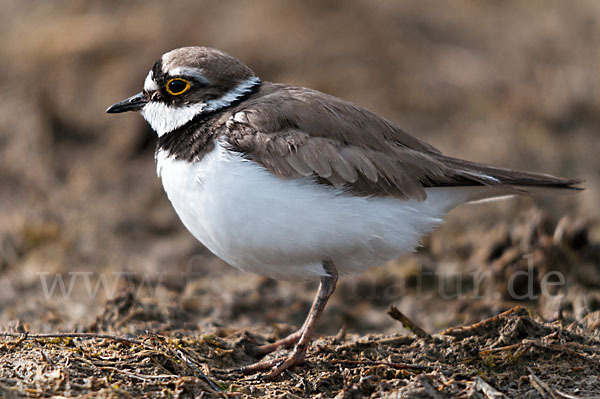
(304, 335)
(286, 342)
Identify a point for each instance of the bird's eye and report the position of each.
(177, 86)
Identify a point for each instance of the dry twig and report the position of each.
(137, 376)
(540, 386)
(407, 323)
(192, 364)
(473, 329)
(400, 366)
(566, 395)
(489, 391)
(24, 336)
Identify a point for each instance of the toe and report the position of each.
(295, 359)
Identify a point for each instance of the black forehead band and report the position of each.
(157, 70)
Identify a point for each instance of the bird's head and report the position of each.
(188, 82)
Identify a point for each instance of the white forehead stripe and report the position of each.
(186, 71)
(165, 118)
(149, 83)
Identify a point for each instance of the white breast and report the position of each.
(284, 228)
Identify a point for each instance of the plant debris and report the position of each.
(510, 355)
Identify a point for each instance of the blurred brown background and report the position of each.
(512, 83)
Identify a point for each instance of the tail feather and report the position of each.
(472, 182)
(471, 173)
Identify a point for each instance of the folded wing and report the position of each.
(296, 132)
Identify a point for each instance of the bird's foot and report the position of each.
(286, 342)
(275, 366)
(301, 338)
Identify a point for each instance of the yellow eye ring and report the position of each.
(177, 86)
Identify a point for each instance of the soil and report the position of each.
(104, 294)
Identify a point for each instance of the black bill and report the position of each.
(133, 103)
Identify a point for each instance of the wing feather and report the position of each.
(296, 132)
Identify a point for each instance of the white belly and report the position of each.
(284, 228)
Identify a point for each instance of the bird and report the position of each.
(295, 184)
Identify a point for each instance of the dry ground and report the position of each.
(512, 83)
